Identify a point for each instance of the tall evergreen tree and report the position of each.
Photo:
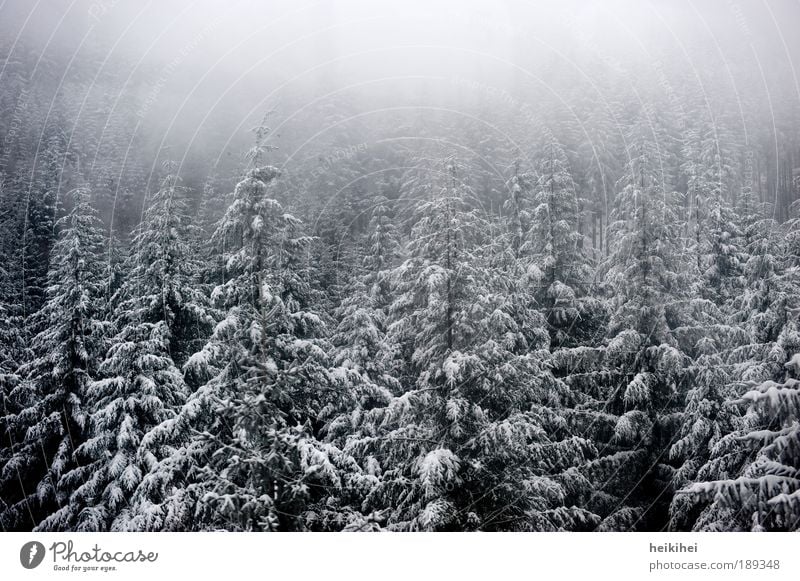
(450, 453)
(52, 417)
(716, 234)
(244, 443)
(750, 480)
(38, 235)
(643, 270)
(158, 316)
(558, 249)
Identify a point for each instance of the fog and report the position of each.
(205, 72)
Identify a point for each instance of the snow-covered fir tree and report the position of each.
(11, 352)
(557, 247)
(716, 235)
(642, 358)
(749, 482)
(452, 451)
(52, 420)
(159, 314)
(244, 451)
(41, 200)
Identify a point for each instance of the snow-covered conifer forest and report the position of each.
(357, 266)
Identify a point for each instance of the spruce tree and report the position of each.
(646, 366)
(559, 253)
(472, 443)
(244, 449)
(158, 315)
(749, 482)
(52, 419)
(41, 196)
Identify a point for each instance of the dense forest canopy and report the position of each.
(399, 266)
